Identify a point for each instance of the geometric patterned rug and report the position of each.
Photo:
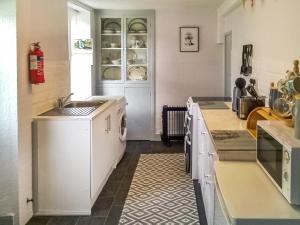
(160, 193)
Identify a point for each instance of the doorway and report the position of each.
(227, 67)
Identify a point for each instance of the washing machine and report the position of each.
(122, 128)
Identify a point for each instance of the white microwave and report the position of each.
(278, 154)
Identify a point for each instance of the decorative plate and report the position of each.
(109, 24)
(137, 73)
(137, 25)
(112, 73)
(108, 31)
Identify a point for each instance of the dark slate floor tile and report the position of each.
(38, 220)
(120, 197)
(63, 220)
(102, 206)
(114, 215)
(126, 181)
(87, 220)
(110, 189)
(116, 175)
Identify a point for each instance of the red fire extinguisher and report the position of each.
(36, 64)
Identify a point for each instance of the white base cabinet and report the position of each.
(103, 149)
(73, 159)
(206, 173)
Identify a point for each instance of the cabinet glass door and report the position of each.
(137, 49)
(111, 49)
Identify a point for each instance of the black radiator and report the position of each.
(172, 124)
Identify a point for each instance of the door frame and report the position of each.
(224, 61)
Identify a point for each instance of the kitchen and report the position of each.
(270, 26)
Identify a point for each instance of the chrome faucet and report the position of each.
(61, 101)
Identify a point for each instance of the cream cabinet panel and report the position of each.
(138, 113)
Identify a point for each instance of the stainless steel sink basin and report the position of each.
(82, 104)
(78, 108)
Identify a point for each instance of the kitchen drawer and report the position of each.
(208, 192)
(202, 164)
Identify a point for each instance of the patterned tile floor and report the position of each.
(160, 193)
(108, 207)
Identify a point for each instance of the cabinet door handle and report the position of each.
(109, 122)
(209, 182)
(212, 154)
(204, 132)
(105, 124)
(207, 175)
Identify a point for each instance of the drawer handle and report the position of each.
(212, 154)
(207, 175)
(210, 182)
(204, 132)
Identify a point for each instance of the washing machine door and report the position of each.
(122, 127)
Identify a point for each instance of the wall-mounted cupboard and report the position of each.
(125, 65)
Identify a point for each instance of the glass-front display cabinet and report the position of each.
(124, 65)
(111, 59)
(124, 49)
(136, 49)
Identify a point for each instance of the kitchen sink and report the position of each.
(84, 104)
(76, 108)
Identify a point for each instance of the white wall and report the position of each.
(273, 29)
(180, 75)
(8, 111)
(51, 29)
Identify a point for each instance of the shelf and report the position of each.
(137, 48)
(137, 34)
(111, 34)
(111, 65)
(111, 48)
(131, 65)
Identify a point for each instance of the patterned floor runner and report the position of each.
(160, 193)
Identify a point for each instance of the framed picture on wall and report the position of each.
(189, 39)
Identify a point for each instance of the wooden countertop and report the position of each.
(251, 198)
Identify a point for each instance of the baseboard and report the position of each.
(155, 137)
(62, 213)
(7, 220)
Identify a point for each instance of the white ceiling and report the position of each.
(149, 4)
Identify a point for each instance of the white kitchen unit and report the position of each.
(206, 157)
(192, 108)
(206, 121)
(119, 121)
(247, 196)
(73, 157)
(125, 65)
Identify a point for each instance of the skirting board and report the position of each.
(61, 213)
(7, 220)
